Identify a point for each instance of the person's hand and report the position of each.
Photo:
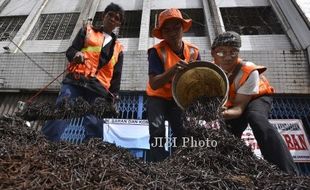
(78, 58)
(223, 111)
(113, 100)
(181, 65)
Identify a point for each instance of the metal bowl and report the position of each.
(201, 78)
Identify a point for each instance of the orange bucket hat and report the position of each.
(168, 14)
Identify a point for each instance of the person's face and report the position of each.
(172, 31)
(111, 20)
(225, 55)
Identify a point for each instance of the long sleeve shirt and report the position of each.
(105, 56)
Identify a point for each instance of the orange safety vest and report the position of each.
(91, 51)
(246, 69)
(169, 59)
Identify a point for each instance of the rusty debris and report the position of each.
(29, 161)
(68, 109)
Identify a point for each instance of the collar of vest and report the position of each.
(100, 29)
(259, 68)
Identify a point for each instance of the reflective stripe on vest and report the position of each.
(169, 59)
(96, 49)
(92, 51)
(264, 86)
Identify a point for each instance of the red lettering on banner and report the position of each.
(295, 142)
(297, 147)
(290, 145)
(302, 141)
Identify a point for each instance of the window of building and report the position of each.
(251, 20)
(54, 26)
(131, 26)
(198, 27)
(10, 25)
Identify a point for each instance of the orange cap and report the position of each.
(168, 14)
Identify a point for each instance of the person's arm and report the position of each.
(158, 77)
(157, 81)
(238, 108)
(243, 97)
(74, 53)
(117, 73)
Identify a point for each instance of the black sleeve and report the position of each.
(156, 66)
(117, 73)
(77, 44)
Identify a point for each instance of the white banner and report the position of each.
(293, 133)
(129, 133)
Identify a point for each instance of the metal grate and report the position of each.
(74, 132)
(132, 106)
(198, 27)
(10, 25)
(251, 21)
(290, 107)
(131, 26)
(54, 26)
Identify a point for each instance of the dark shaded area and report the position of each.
(57, 26)
(251, 20)
(10, 25)
(131, 26)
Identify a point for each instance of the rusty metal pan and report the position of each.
(201, 78)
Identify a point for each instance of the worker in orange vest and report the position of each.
(250, 100)
(96, 60)
(165, 59)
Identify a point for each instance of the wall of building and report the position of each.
(241, 3)
(125, 4)
(18, 7)
(18, 72)
(255, 42)
(287, 70)
(32, 8)
(164, 4)
(297, 29)
(265, 42)
(61, 6)
(33, 14)
(50, 46)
